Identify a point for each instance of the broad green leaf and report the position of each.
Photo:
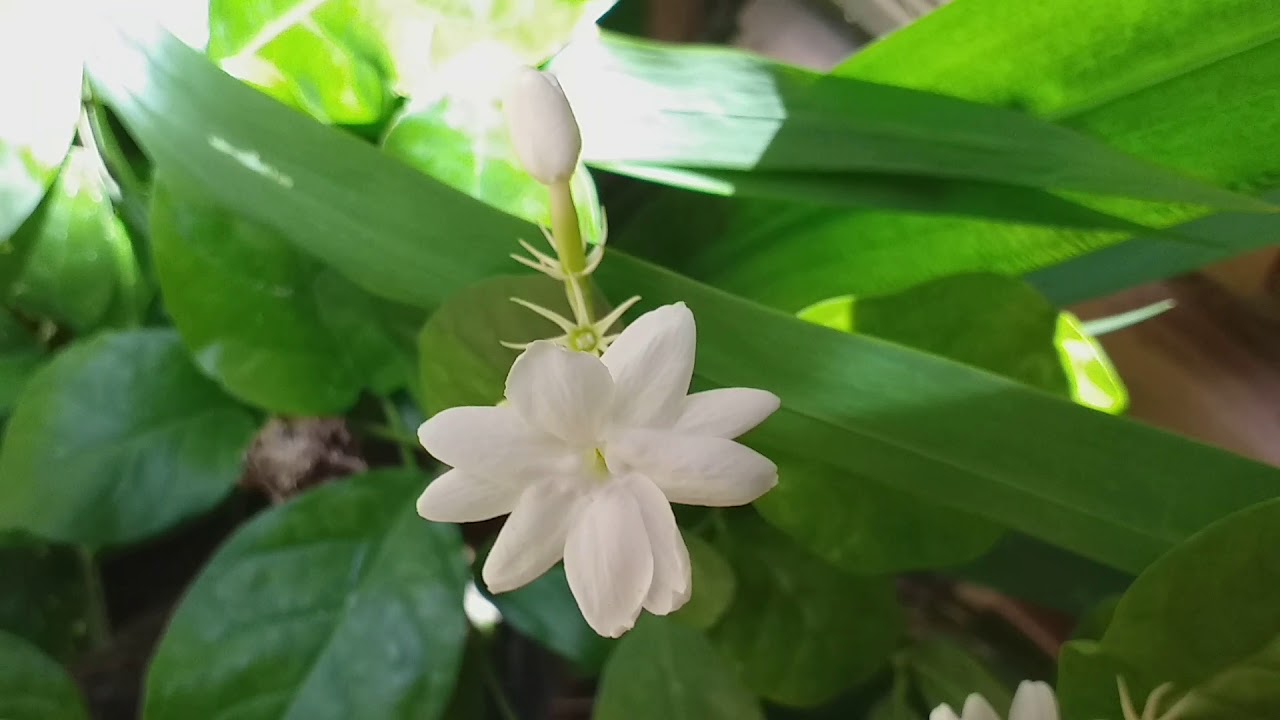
(72, 262)
(462, 141)
(21, 353)
(945, 672)
(117, 439)
(545, 611)
(1147, 258)
(799, 630)
(1206, 615)
(34, 686)
(865, 526)
(41, 53)
(665, 670)
(44, 599)
(885, 191)
(341, 604)
(342, 61)
(714, 584)
(1103, 487)
(325, 58)
(1208, 108)
(989, 321)
(461, 359)
(276, 328)
(702, 107)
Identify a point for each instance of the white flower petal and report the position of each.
(459, 497)
(608, 561)
(976, 707)
(563, 392)
(1034, 701)
(672, 581)
(652, 364)
(533, 538)
(492, 442)
(694, 470)
(726, 412)
(943, 712)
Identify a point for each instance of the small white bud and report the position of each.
(543, 129)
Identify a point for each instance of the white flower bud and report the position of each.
(543, 129)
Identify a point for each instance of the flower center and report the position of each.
(584, 339)
(599, 467)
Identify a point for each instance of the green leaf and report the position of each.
(1147, 258)
(945, 672)
(545, 611)
(1208, 107)
(714, 585)
(73, 262)
(885, 191)
(343, 603)
(461, 360)
(666, 670)
(868, 527)
(342, 61)
(33, 686)
(117, 439)
(645, 102)
(44, 599)
(799, 630)
(42, 56)
(272, 325)
(20, 355)
(1048, 576)
(1206, 616)
(462, 141)
(1103, 487)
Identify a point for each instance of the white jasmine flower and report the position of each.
(1032, 701)
(587, 455)
(543, 130)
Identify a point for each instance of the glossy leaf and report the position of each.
(885, 191)
(342, 61)
(864, 526)
(545, 611)
(1146, 258)
(714, 584)
(798, 630)
(44, 599)
(921, 424)
(1205, 617)
(665, 670)
(33, 686)
(1208, 108)
(42, 57)
(73, 262)
(644, 102)
(272, 325)
(461, 359)
(462, 141)
(116, 439)
(343, 603)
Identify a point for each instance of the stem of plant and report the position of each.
(499, 697)
(397, 433)
(99, 626)
(568, 240)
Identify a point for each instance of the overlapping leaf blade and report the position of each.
(1104, 487)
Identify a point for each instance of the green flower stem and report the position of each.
(570, 249)
(99, 626)
(397, 433)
